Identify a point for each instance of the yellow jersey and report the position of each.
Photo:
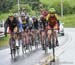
(24, 22)
(49, 16)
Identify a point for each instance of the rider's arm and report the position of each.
(20, 26)
(58, 22)
(27, 21)
(46, 23)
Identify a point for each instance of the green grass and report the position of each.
(68, 20)
(3, 16)
(4, 41)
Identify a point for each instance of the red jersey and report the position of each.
(52, 21)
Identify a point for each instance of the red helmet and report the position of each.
(44, 13)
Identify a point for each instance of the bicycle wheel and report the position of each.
(30, 42)
(44, 45)
(17, 50)
(23, 49)
(36, 42)
(53, 47)
(13, 54)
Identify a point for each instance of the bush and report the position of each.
(25, 6)
(5, 5)
(73, 10)
(67, 8)
(14, 9)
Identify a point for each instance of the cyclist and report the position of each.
(35, 22)
(24, 21)
(52, 23)
(25, 26)
(43, 23)
(12, 23)
(35, 26)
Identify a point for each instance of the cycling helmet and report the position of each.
(34, 17)
(44, 13)
(52, 10)
(16, 15)
(11, 14)
(23, 14)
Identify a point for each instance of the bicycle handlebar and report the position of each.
(11, 32)
(53, 29)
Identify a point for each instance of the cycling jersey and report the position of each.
(35, 24)
(43, 23)
(20, 27)
(24, 24)
(49, 16)
(11, 25)
(52, 22)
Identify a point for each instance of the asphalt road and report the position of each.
(64, 53)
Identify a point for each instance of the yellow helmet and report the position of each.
(11, 14)
(52, 10)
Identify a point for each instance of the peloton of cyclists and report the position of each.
(48, 22)
(24, 23)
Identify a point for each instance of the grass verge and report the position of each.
(4, 41)
(69, 20)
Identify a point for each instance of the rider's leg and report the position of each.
(27, 40)
(42, 39)
(33, 38)
(55, 34)
(49, 38)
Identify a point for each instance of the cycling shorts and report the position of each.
(54, 27)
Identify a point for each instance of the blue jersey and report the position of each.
(20, 27)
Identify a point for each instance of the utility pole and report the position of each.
(18, 6)
(61, 8)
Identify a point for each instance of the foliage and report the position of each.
(5, 5)
(68, 5)
(25, 6)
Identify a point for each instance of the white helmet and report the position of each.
(23, 14)
(16, 15)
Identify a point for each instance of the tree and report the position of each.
(5, 5)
